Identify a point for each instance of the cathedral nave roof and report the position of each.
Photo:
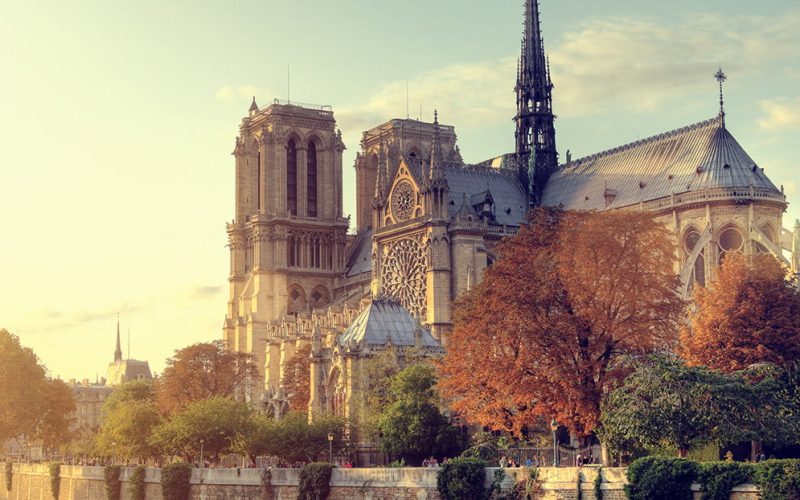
(703, 156)
(386, 322)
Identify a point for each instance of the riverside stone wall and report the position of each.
(32, 482)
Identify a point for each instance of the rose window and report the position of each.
(404, 275)
(403, 201)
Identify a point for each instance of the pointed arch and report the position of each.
(291, 174)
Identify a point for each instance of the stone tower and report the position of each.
(288, 239)
(536, 153)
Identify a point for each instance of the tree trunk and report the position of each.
(756, 448)
(605, 456)
(683, 452)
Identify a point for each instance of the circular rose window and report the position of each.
(403, 201)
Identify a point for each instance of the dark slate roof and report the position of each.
(699, 157)
(383, 322)
(127, 369)
(511, 202)
(360, 258)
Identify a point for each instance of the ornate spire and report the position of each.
(721, 77)
(253, 106)
(380, 177)
(118, 351)
(535, 135)
(437, 158)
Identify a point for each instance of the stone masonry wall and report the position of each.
(32, 482)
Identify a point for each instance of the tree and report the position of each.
(298, 379)
(202, 371)
(546, 333)
(412, 427)
(376, 391)
(664, 402)
(216, 421)
(294, 439)
(58, 407)
(129, 418)
(749, 314)
(30, 403)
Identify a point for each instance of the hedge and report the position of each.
(9, 475)
(661, 478)
(55, 479)
(113, 484)
(315, 481)
(461, 479)
(717, 479)
(136, 483)
(175, 481)
(778, 479)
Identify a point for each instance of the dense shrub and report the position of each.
(55, 479)
(113, 484)
(136, 486)
(175, 481)
(9, 475)
(778, 479)
(462, 479)
(717, 479)
(315, 481)
(657, 478)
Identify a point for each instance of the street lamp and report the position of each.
(202, 464)
(330, 447)
(554, 428)
(114, 456)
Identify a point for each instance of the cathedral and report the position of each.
(427, 224)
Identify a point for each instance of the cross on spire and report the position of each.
(721, 77)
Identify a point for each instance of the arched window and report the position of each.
(690, 241)
(730, 241)
(258, 180)
(311, 179)
(291, 177)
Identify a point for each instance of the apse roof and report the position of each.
(360, 258)
(699, 157)
(384, 322)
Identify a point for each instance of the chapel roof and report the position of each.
(386, 322)
(127, 369)
(703, 156)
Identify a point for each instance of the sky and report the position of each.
(117, 120)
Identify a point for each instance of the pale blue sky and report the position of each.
(117, 120)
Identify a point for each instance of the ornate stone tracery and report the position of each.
(403, 274)
(403, 201)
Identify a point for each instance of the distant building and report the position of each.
(124, 370)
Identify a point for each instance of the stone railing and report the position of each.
(87, 483)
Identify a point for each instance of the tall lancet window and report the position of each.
(311, 179)
(291, 177)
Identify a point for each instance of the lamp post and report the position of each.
(554, 428)
(330, 447)
(202, 464)
(114, 456)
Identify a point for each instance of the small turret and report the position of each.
(253, 107)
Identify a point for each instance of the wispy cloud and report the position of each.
(638, 64)
(780, 114)
(466, 94)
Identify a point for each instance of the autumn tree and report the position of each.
(750, 313)
(297, 381)
(547, 331)
(30, 403)
(202, 371)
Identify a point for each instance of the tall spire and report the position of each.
(118, 351)
(536, 151)
(437, 158)
(721, 77)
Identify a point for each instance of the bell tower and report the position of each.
(287, 241)
(536, 153)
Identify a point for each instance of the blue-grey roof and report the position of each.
(699, 157)
(510, 200)
(383, 322)
(360, 258)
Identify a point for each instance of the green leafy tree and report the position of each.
(664, 402)
(413, 427)
(216, 421)
(293, 438)
(129, 417)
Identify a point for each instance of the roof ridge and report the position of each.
(640, 142)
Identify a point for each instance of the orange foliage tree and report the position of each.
(546, 332)
(202, 371)
(749, 314)
(297, 380)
